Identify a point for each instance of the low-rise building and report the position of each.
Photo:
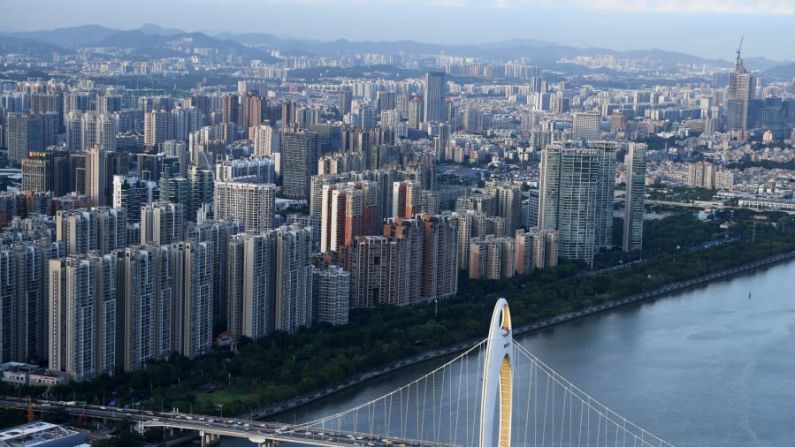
(41, 434)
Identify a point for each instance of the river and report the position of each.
(706, 367)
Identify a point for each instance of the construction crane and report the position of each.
(740, 49)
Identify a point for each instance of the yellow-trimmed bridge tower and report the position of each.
(496, 403)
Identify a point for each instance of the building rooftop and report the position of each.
(39, 434)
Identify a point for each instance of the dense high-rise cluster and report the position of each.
(145, 226)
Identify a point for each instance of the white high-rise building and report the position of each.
(192, 267)
(23, 298)
(253, 203)
(162, 223)
(492, 258)
(131, 193)
(331, 295)
(85, 230)
(738, 96)
(218, 233)
(78, 230)
(299, 156)
(603, 237)
(179, 149)
(97, 175)
(464, 224)
(293, 307)
(185, 121)
(83, 316)
(252, 170)
(509, 203)
(252, 284)
(111, 228)
(635, 163)
(74, 131)
(567, 199)
(266, 140)
(585, 126)
(545, 248)
(440, 257)
(390, 119)
(136, 273)
(158, 127)
(434, 97)
(96, 130)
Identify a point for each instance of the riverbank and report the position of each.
(650, 295)
(281, 366)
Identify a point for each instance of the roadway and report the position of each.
(704, 204)
(210, 428)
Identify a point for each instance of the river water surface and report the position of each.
(707, 367)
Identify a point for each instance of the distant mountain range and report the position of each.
(152, 40)
(10, 45)
(540, 52)
(784, 72)
(77, 36)
(149, 41)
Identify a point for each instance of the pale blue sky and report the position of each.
(703, 27)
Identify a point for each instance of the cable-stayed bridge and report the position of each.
(468, 401)
(466, 405)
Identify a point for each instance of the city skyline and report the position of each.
(653, 24)
(202, 224)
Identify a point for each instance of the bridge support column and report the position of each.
(261, 442)
(208, 439)
(496, 401)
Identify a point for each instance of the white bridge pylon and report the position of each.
(496, 402)
(495, 394)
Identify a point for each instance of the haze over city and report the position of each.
(707, 28)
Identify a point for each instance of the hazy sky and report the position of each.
(709, 28)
